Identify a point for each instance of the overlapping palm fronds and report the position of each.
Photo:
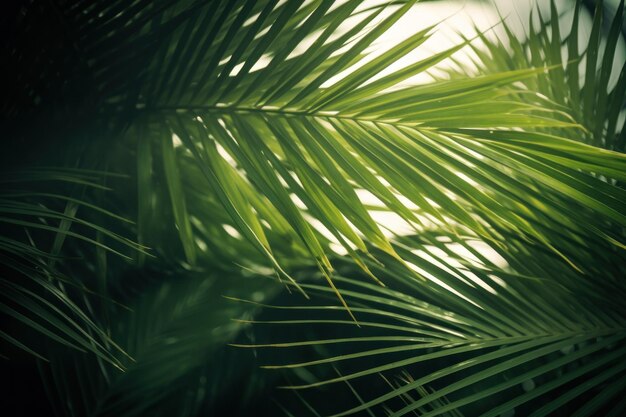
(175, 331)
(254, 129)
(37, 221)
(290, 137)
(486, 338)
(534, 273)
(588, 82)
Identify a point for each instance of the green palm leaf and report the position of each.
(379, 129)
(481, 333)
(36, 292)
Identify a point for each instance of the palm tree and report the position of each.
(184, 176)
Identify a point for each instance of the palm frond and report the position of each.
(476, 333)
(36, 224)
(175, 331)
(279, 137)
(294, 137)
(584, 84)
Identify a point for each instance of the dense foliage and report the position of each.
(201, 203)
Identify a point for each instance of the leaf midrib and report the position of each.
(276, 111)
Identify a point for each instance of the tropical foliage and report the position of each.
(201, 201)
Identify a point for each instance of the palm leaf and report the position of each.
(474, 332)
(593, 101)
(35, 289)
(174, 349)
(256, 123)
